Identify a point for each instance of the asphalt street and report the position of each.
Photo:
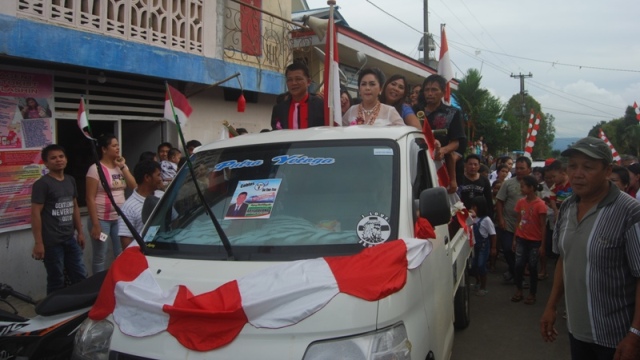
(501, 329)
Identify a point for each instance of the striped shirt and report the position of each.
(117, 184)
(601, 258)
(132, 209)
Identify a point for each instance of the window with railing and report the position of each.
(253, 33)
(175, 24)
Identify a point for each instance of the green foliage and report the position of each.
(472, 99)
(623, 133)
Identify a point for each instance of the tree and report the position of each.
(471, 98)
(631, 140)
(517, 117)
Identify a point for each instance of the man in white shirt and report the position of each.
(147, 175)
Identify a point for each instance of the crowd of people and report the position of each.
(583, 213)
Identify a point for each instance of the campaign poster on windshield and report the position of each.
(253, 199)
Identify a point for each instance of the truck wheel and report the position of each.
(461, 304)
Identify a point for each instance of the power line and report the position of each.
(576, 102)
(552, 63)
(487, 32)
(469, 30)
(573, 112)
(579, 97)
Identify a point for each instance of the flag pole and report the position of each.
(105, 184)
(332, 39)
(223, 236)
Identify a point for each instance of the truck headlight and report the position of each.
(92, 340)
(387, 344)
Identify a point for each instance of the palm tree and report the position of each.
(471, 98)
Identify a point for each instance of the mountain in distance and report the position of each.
(562, 143)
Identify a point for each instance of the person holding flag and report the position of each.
(103, 218)
(300, 110)
(440, 116)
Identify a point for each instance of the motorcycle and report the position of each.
(49, 335)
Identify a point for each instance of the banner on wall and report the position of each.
(26, 126)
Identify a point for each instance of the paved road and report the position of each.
(501, 329)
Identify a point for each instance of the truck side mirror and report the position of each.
(434, 206)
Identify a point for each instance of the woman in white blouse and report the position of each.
(371, 111)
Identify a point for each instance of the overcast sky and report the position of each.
(501, 37)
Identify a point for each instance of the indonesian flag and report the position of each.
(444, 65)
(275, 297)
(465, 221)
(441, 168)
(614, 152)
(174, 101)
(332, 109)
(637, 110)
(531, 140)
(83, 122)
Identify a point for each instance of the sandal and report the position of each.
(530, 300)
(516, 298)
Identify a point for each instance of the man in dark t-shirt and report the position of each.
(446, 123)
(472, 184)
(54, 217)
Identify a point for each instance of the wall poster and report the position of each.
(26, 126)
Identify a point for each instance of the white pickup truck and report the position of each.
(294, 195)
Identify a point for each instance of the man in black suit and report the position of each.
(239, 209)
(299, 110)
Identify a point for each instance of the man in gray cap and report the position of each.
(598, 272)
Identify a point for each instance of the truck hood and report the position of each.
(343, 315)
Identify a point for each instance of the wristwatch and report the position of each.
(634, 331)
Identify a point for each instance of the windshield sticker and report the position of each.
(253, 199)
(233, 164)
(299, 159)
(151, 233)
(385, 151)
(373, 229)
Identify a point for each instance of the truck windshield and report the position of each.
(281, 201)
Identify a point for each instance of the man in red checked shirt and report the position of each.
(299, 110)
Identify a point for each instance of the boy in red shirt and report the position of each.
(529, 239)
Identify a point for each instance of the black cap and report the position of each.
(592, 147)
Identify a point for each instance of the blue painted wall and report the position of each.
(39, 41)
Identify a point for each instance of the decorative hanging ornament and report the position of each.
(242, 103)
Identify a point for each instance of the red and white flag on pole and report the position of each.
(83, 121)
(176, 103)
(531, 141)
(275, 297)
(444, 64)
(531, 119)
(332, 109)
(637, 110)
(614, 152)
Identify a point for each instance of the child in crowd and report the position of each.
(529, 239)
(561, 189)
(170, 166)
(484, 233)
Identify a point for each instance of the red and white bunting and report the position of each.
(614, 152)
(277, 296)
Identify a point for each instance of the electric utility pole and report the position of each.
(426, 36)
(523, 94)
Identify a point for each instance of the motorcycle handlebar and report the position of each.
(6, 290)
